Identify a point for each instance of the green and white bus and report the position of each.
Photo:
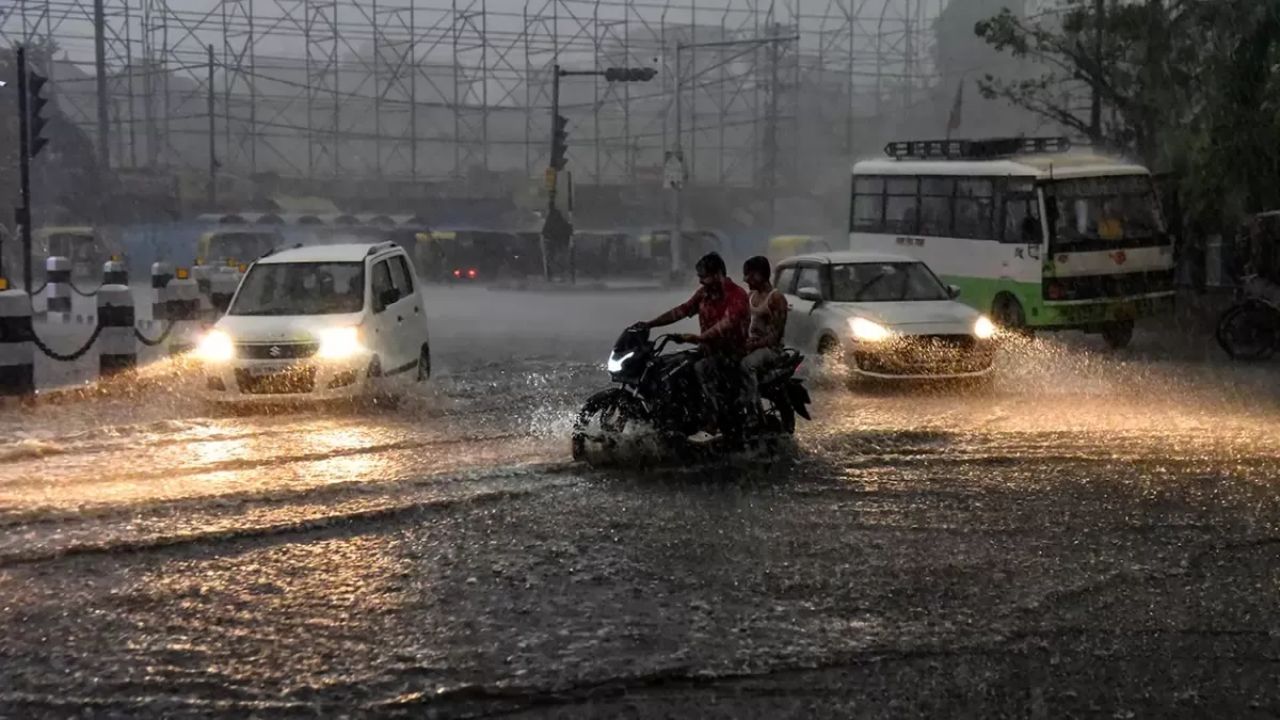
(1037, 235)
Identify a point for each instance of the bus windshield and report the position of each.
(317, 288)
(885, 282)
(1104, 213)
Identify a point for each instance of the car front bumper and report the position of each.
(275, 381)
(923, 357)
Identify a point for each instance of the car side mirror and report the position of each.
(810, 294)
(953, 291)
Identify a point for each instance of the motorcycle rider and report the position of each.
(768, 311)
(722, 310)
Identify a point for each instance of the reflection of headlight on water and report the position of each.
(615, 362)
(339, 343)
(868, 331)
(215, 347)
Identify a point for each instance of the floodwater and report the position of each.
(1092, 534)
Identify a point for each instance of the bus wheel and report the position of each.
(1118, 334)
(1008, 314)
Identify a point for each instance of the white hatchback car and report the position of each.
(319, 323)
(887, 316)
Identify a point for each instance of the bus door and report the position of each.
(1021, 232)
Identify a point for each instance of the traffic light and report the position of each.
(559, 143)
(617, 74)
(35, 106)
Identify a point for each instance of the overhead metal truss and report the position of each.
(433, 89)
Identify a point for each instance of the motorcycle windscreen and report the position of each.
(631, 340)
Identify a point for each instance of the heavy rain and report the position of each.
(613, 358)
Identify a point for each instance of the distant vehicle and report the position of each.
(236, 245)
(85, 247)
(785, 246)
(655, 248)
(473, 255)
(886, 316)
(1041, 238)
(319, 323)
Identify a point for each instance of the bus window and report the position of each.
(868, 205)
(902, 206)
(935, 206)
(1021, 219)
(973, 215)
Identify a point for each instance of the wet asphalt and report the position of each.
(1093, 535)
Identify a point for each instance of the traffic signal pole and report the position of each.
(24, 168)
(556, 226)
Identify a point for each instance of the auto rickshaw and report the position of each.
(654, 248)
(83, 246)
(782, 247)
(468, 255)
(232, 246)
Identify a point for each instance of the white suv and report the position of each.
(319, 323)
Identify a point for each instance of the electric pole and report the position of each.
(100, 65)
(213, 155)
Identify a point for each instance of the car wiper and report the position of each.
(862, 290)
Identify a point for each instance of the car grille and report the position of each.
(927, 355)
(276, 351)
(288, 381)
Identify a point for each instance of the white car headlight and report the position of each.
(338, 343)
(215, 347)
(983, 328)
(868, 331)
(616, 363)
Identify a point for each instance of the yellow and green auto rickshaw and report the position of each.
(236, 245)
(85, 247)
(782, 247)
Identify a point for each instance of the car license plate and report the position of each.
(266, 370)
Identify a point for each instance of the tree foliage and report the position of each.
(1187, 86)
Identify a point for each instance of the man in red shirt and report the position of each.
(723, 317)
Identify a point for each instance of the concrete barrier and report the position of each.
(17, 349)
(117, 347)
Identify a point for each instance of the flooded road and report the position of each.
(1095, 533)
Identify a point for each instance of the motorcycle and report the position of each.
(660, 392)
(1250, 330)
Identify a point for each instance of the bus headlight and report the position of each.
(215, 347)
(338, 343)
(868, 331)
(983, 328)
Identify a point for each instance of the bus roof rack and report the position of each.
(976, 149)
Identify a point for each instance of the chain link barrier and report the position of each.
(69, 357)
(164, 335)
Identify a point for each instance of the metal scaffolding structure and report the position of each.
(436, 89)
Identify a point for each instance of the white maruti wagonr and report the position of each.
(887, 316)
(319, 323)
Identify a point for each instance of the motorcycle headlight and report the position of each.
(617, 361)
(215, 347)
(339, 343)
(868, 331)
(983, 328)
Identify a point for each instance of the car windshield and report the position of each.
(240, 247)
(1104, 213)
(885, 282)
(320, 288)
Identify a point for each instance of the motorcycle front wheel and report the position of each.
(611, 411)
(1250, 331)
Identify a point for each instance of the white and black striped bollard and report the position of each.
(161, 276)
(184, 312)
(57, 290)
(117, 346)
(114, 272)
(17, 351)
